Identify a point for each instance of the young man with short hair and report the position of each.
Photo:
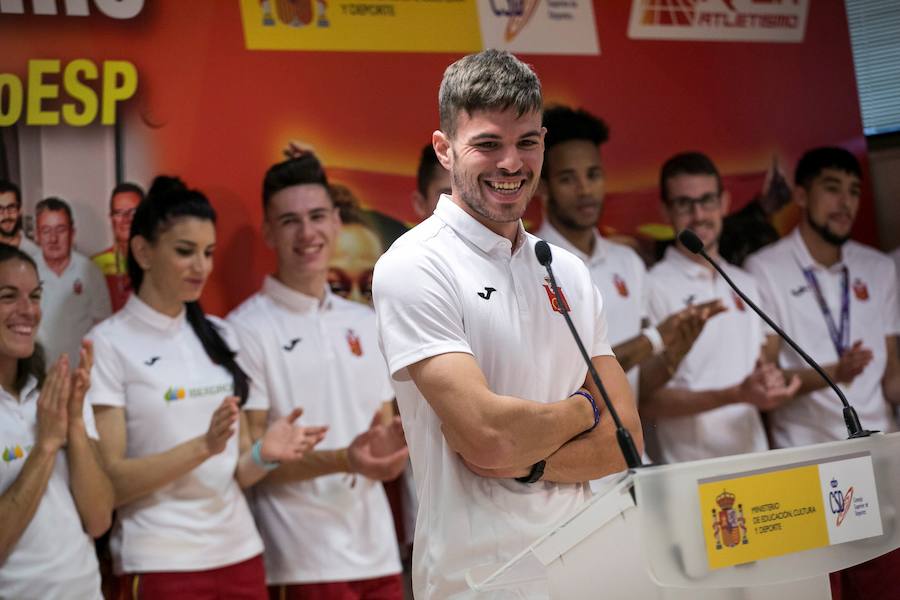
(711, 406)
(75, 295)
(573, 189)
(838, 299)
(489, 382)
(325, 520)
(11, 219)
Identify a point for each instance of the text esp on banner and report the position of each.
(772, 512)
(719, 20)
(528, 26)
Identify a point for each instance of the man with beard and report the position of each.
(502, 433)
(75, 296)
(573, 189)
(113, 261)
(838, 299)
(711, 406)
(11, 219)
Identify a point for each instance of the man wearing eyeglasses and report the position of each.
(113, 261)
(75, 297)
(711, 406)
(11, 219)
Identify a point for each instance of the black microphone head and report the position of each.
(542, 252)
(690, 241)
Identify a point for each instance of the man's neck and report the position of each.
(11, 240)
(712, 251)
(121, 248)
(508, 230)
(582, 238)
(58, 265)
(824, 253)
(308, 284)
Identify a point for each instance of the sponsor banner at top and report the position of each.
(524, 26)
(719, 20)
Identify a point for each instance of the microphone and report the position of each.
(623, 437)
(855, 429)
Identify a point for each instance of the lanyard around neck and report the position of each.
(840, 337)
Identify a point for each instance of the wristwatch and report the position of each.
(537, 471)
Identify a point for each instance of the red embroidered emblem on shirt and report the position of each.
(77, 287)
(860, 290)
(354, 343)
(621, 286)
(552, 298)
(738, 303)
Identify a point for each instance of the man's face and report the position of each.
(301, 226)
(831, 202)
(695, 203)
(54, 234)
(494, 160)
(122, 213)
(10, 218)
(437, 185)
(575, 184)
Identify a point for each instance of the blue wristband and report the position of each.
(593, 405)
(256, 455)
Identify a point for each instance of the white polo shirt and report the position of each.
(324, 358)
(874, 314)
(620, 275)
(54, 558)
(723, 355)
(29, 247)
(156, 368)
(72, 303)
(452, 285)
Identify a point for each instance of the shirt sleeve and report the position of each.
(251, 360)
(418, 310)
(892, 304)
(107, 375)
(601, 346)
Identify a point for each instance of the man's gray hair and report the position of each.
(489, 80)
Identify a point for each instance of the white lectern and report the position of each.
(764, 525)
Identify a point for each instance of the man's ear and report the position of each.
(543, 193)
(441, 143)
(725, 201)
(800, 197)
(418, 203)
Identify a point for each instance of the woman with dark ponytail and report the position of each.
(167, 392)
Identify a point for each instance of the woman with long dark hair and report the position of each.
(54, 494)
(167, 393)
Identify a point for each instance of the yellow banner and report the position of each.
(373, 25)
(763, 515)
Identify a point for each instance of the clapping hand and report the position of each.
(284, 441)
(380, 452)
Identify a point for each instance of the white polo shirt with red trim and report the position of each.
(451, 285)
(71, 304)
(324, 358)
(723, 355)
(874, 313)
(620, 275)
(54, 559)
(155, 367)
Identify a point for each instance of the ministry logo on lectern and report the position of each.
(728, 524)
